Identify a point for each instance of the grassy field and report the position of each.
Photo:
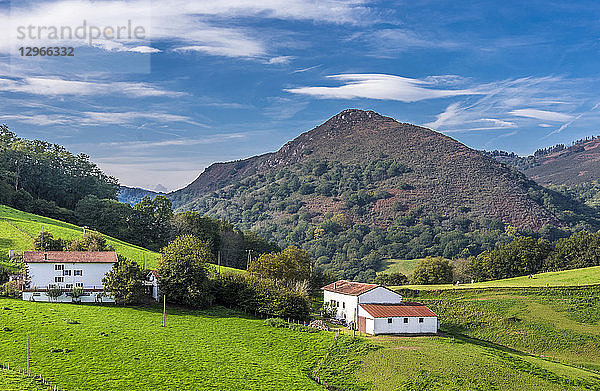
(575, 277)
(561, 324)
(85, 347)
(11, 381)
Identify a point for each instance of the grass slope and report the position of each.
(20, 227)
(17, 230)
(574, 277)
(115, 348)
(562, 324)
(404, 266)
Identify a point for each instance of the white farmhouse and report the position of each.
(67, 270)
(376, 309)
(152, 287)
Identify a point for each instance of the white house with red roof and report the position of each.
(375, 309)
(67, 270)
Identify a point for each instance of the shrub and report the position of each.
(10, 289)
(125, 282)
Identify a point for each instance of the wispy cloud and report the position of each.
(49, 86)
(144, 145)
(382, 87)
(543, 115)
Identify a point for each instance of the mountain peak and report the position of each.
(353, 117)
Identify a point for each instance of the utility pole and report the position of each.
(219, 261)
(249, 261)
(84, 227)
(43, 247)
(164, 310)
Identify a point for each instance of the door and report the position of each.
(362, 324)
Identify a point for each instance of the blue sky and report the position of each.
(212, 81)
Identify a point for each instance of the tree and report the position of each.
(183, 271)
(45, 242)
(91, 241)
(288, 266)
(125, 282)
(432, 270)
(579, 250)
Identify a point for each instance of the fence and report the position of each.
(39, 378)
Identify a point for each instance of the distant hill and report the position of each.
(363, 187)
(559, 164)
(133, 195)
(571, 166)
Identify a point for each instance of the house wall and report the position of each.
(370, 326)
(89, 297)
(380, 295)
(42, 274)
(347, 307)
(381, 326)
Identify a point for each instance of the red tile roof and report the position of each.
(405, 309)
(70, 256)
(349, 288)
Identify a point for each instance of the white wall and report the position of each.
(41, 274)
(41, 296)
(380, 295)
(347, 306)
(370, 326)
(376, 326)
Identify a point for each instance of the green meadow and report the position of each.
(12, 381)
(575, 277)
(404, 266)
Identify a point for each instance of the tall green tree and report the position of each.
(125, 282)
(183, 272)
(432, 270)
(288, 266)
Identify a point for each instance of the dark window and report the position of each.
(344, 305)
(66, 272)
(78, 272)
(59, 267)
(405, 320)
(389, 320)
(420, 320)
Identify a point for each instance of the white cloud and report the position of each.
(48, 86)
(381, 86)
(545, 125)
(187, 25)
(143, 145)
(39, 119)
(543, 115)
(281, 60)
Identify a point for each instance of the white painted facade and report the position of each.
(152, 286)
(347, 305)
(42, 276)
(399, 325)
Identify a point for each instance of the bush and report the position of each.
(10, 289)
(125, 282)
(260, 296)
(391, 279)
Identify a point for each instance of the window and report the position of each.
(405, 320)
(59, 279)
(69, 286)
(79, 284)
(333, 303)
(51, 286)
(420, 320)
(78, 272)
(37, 294)
(59, 267)
(390, 320)
(344, 304)
(66, 272)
